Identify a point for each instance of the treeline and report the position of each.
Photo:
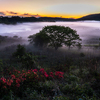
(15, 19)
(53, 19)
(7, 39)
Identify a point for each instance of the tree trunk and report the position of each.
(69, 47)
(56, 48)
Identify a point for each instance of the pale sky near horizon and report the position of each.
(51, 8)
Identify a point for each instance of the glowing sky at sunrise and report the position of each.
(49, 8)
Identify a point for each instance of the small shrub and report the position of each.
(82, 55)
(20, 51)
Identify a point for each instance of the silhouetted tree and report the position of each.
(40, 39)
(56, 36)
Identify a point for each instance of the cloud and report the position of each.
(30, 15)
(37, 15)
(26, 14)
(2, 13)
(13, 13)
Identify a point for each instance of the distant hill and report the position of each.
(88, 17)
(53, 19)
(15, 19)
(91, 17)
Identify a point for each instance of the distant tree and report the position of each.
(3, 38)
(0, 20)
(16, 37)
(56, 36)
(40, 39)
(25, 58)
(20, 51)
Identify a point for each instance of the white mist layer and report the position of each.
(86, 29)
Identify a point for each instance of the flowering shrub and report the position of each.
(59, 74)
(18, 78)
(43, 72)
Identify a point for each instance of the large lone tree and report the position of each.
(55, 36)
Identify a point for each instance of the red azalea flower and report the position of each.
(46, 75)
(9, 83)
(23, 71)
(51, 74)
(3, 80)
(13, 76)
(41, 70)
(18, 80)
(17, 85)
(15, 70)
(24, 74)
(59, 74)
(4, 87)
(35, 74)
(22, 79)
(34, 70)
(18, 71)
(28, 72)
(11, 80)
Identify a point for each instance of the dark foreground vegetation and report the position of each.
(30, 73)
(27, 73)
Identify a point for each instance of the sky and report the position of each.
(49, 8)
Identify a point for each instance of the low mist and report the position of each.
(89, 32)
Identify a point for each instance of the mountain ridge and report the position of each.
(15, 19)
(90, 17)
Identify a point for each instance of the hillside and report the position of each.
(91, 17)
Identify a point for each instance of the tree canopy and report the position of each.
(55, 36)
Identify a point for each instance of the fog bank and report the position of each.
(89, 31)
